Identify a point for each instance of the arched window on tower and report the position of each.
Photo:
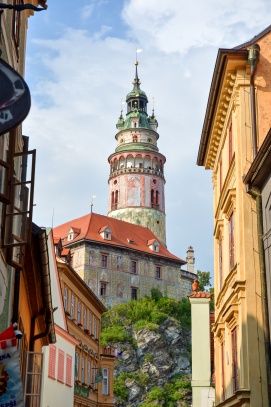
(112, 200)
(116, 199)
(157, 200)
(135, 137)
(152, 199)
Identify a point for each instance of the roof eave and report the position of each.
(222, 57)
(155, 254)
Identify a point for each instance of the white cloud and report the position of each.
(87, 11)
(79, 80)
(177, 26)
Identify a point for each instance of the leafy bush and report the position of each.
(148, 358)
(114, 334)
(156, 294)
(158, 317)
(142, 379)
(151, 326)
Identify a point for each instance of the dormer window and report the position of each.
(131, 241)
(106, 233)
(73, 233)
(153, 244)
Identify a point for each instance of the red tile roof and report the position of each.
(75, 230)
(65, 251)
(56, 240)
(91, 224)
(149, 242)
(200, 295)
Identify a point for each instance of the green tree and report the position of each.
(204, 281)
(204, 278)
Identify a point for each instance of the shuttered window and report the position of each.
(52, 362)
(60, 369)
(68, 370)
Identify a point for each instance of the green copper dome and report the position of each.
(137, 109)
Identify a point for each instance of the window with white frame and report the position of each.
(105, 382)
(72, 306)
(65, 298)
(88, 373)
(85, 318)
(90, 322)
(78, 312)
(95, 327)
(83, 370)
(76, 366)
(33, 379)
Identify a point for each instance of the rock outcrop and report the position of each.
(155, 367)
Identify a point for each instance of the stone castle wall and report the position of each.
(153, 219)
(118, 276)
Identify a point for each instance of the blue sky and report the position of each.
(80, 63)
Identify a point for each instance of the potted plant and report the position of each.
(87, 331)
(79, 324)
(67, 313)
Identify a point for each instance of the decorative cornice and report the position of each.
(220, 96)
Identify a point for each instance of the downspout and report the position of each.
(253, 58)
(256, 193)
(46, 285)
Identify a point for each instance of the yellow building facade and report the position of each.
(236, 123)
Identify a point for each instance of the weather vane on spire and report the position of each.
(138, 50)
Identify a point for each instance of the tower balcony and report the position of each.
(116, 172)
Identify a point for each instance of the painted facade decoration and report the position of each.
(126, 266)
(136, 180)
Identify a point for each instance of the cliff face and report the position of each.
(154, 367)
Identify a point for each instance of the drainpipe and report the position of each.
(256, 193)
(253, 58)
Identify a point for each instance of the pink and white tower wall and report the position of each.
(136, 180)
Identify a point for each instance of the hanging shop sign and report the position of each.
(15, 100)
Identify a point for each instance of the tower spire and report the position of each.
(136, 82)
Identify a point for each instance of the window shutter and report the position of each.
(68, 370)
(60, 371)
(52, 362)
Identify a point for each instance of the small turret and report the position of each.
(190, 259)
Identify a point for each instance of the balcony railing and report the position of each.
(123, 170)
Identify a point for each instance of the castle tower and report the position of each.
(136, 180)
